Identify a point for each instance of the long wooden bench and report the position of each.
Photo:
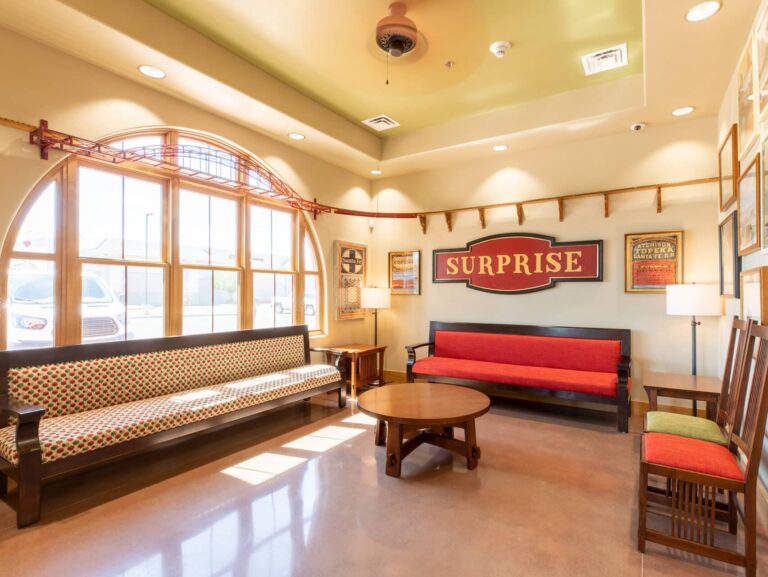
(69, 408)
(580, 364)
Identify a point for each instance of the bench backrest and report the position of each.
(80, 378)
(576, 348)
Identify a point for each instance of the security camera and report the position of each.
(637, 126)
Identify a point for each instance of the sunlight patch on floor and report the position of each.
(324, 439)
(263, 467)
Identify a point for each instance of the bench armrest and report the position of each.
(412, 358)
(336, 353)
(624, 368)
(23, 413)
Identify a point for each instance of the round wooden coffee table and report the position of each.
(410, 414)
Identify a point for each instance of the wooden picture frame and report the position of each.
(652, 260)
(728, 168)
(350, 267)
(405, 272)
(730, 261)
(754, 294)
(746, 100)
(749, 208)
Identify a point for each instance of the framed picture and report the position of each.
(728, 168)
(730, 261)
(746, 100)
(761, 39)
(754, 301)
(763, 189)
(350, 265)
(652, 260)
(749, 208)
(405, 272)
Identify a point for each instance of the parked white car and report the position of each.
(31, 310)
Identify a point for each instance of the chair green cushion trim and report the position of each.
(684, 426)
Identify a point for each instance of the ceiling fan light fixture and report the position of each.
(396, 34)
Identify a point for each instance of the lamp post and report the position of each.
(375, 298)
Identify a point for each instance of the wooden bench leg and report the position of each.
(343, 395)
(394, 449)
(3, 484)
(30, 466)
(622, 411)
(641, 507)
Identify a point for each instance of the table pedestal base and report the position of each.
(400, 445)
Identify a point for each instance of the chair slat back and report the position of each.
(749, 435)
(731, 403)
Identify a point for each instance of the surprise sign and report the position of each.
(518, 263)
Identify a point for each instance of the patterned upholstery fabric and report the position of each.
(69, 435)
(74, 387)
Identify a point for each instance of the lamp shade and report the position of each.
(375, 298)
(701, 300)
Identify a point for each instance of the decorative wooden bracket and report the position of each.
(607, 204)
(520, 214)
(423, 223)
(481, 211)
(449, 221)
(560, 209)
(658, 199)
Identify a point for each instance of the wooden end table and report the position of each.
(682, 386)
(366, 363)
(430, 412)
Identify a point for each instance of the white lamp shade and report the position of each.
(701, 300)
(375, 298)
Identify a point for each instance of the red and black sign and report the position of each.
(518, 263)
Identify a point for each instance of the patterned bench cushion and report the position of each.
(74, 387)
(69, 435)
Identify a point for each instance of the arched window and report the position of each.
(104, 252)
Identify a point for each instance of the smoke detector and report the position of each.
(396, 34)
(500, 48)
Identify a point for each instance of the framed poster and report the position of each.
(761, 39)
(730, 261)
(746, 100)
(405, 272)
(728, 168)
(754, 283)
(351, 261)
(763, 203)
(749, 208)
(652, 260)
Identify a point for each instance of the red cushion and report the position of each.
(558, 379)
(691, 455)
(554, 352)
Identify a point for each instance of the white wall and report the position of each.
(675, 152)
(84, 100)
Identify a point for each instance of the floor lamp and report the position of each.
(702, 300)
(375, 298)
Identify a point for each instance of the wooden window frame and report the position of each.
(68, 262)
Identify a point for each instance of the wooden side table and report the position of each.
(366, 363)
(682, 386)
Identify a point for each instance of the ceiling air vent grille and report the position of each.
(603, 60)
(381, 122)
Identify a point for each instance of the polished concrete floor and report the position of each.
(302, 493)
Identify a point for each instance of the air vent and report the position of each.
(604, 60)
(381, 122)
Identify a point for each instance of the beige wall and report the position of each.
(678, 151)
(81, 99)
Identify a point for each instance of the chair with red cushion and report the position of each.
(697, 472)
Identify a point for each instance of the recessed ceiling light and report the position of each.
(376, 172)
(703, 10)
(683, 111)
(151, 71)
(500, 147)
(296, 136)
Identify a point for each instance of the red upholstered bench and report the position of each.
(583, 364)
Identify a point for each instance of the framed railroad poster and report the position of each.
(652, 260)
(405, 272)
(730, 261)
(350, 265)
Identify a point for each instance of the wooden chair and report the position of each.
(730, 405)
(699, 471)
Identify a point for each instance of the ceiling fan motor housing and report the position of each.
(396, 34)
